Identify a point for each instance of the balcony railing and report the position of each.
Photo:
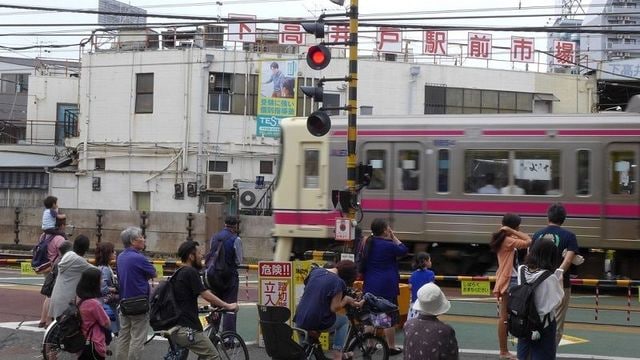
(39, 132)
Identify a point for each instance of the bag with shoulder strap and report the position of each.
(522, 314)
(40, 254)
(164, 311)
(219, 273)
(70, 336)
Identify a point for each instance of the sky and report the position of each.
(265, 9)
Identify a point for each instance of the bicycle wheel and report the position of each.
(369, 347)
(232, 347)
(50, 346)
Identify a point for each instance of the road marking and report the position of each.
(560, 356)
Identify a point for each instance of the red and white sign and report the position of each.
(275, 269)
(564, 52)
(523, 49)
(291, 34)
(275, 292)
(338, 33)
(479, 45)
(344, 230)
(242, 31)
(389, 40)
(435, 42)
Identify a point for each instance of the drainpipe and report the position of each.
(414, 71)
(187, 109)
(200, 170)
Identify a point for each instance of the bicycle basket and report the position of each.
(380, 320)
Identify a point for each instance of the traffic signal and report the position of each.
(319, 122)
(318, 57)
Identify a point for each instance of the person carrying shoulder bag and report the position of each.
(134, 272)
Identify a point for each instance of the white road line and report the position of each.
(569, 356)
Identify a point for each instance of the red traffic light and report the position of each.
(318, 57)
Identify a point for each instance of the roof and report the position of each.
(10, 159)
(29, 62)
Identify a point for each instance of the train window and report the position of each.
(583, 159)
(622, 176)
(485, 170)
(537, 172)
(311, 169)
(378, 160)
(443, 170)
(408, 170)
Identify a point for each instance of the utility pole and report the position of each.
(352, 131)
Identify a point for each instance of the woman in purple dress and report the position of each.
(380, 269)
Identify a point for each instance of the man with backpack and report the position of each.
(225, 254)
(187, 286)
(567, 248)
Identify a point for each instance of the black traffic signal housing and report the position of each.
(319, 122)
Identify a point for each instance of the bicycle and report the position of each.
(229, 344)
(51, 349)
(361, 342)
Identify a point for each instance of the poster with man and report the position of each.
(277, 95)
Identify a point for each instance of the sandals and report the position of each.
(42, 324)
(395, 351)
(508, 357)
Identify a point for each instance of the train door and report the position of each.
(622, 199)
(397, 187)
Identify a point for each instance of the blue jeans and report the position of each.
(542, 349)
(340, 330)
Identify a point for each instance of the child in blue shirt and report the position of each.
(420, 276)
(49, 216)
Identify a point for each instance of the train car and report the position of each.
(444, 182)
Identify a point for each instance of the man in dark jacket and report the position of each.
(228, 292)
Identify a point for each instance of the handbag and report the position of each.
(49, 282)
(136, 305)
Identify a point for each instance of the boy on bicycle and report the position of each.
(324, 296)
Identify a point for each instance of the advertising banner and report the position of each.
(277, 95)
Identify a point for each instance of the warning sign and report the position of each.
(476, 288)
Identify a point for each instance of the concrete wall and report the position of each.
(165, 230)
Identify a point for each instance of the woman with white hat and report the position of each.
(420, 340)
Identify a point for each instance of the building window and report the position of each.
(443, 171)
(218, 166)
(266, 167)
(14, 83)
(142, 200)
(583, 159)
(144, 93)
(99, 164)
(331, 100)
(233, 93)
(440, 99)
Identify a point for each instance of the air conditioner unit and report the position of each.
(249, 198)
(213, 36)
(219, 180)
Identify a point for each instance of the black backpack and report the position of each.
(40, 258)
(164, 311)
(219, 273)
(522, 314)
(70, 336)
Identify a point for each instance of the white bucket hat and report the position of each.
(431, 300)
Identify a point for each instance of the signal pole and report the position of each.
(352, 130)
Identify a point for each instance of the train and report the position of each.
(444, 182)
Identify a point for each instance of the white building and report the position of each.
(159, 126)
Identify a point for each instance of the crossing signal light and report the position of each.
(318, 123)
(315, 28)
(315, 92)
(318, 57)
